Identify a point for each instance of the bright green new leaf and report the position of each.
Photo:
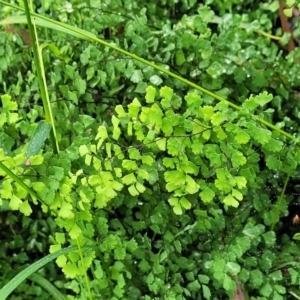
(134, 153)
(238, 159)
(133, 108)
(263, 98)
(129, 165)
(102, 133)
(230, 201)
(147, 160)
(75, 232)
(150, 94)
(240, 181)
(120, 111)
(166, 92)
(38, 186)
(177, 210)
(236, 194)
(191, 186)
(161, 143)
(83, 150)
(186, 204)
(242, 137)
(36, 160)
(133, 191)
(218, 118)
(288, 12)
(71, 270)
(143, 174)
(176, 206)
(129, 179)
(206, 112)
(66, 211)
(60, 238)
(15, 203)
(25, 208)
(207, 195)
(178, 178)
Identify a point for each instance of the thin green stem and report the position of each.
(279, 202)
(39, 66)
(84, 270)
(87, 35)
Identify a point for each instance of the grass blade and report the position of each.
(18, 279)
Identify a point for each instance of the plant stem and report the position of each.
(38, 61)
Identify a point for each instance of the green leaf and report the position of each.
(233, 268)
(273, 162)
(242, 137)
(270, 238)
(38, 139)
(240, 181)
(228, 283)
(193, 286)
(263, 98)
(120, 111)
(256, 278)
(102, 133)
(236, 194)
(150, 94)
(25, 208)
(230, 201)
(203, 279)
(296, 237)
(179, 57)
(185, 203)
(60, 238)
(161, 143)
(176, 206)
(147, 160)
(71, 270)
(133, 191)
(207, 112)
(266, 290)
(207, 195)
(129, 165)
(75, 232)
(166, 92)
(238, 159)
(133, 108)
(218, 118)
(288, 12)
(206, 292)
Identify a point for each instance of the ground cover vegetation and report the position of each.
(154, 155)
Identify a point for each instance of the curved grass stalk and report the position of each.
(47, 286)
(18, 279)
(47, 22)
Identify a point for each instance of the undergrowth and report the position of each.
(173, 163)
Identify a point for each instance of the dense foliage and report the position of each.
(166, 192)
